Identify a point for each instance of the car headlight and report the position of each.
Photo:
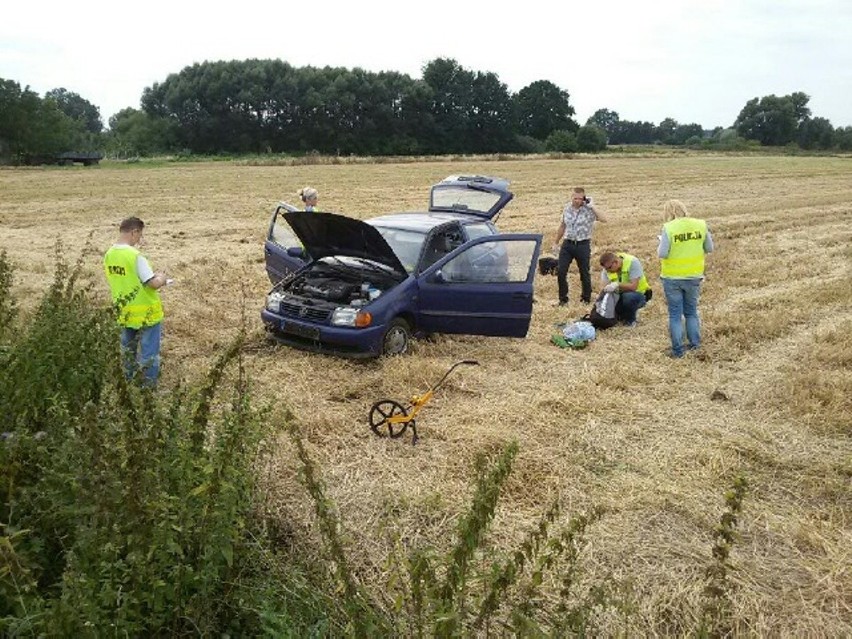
(349, 316)
(273, 302)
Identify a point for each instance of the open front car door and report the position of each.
(484, 287)
(282, 251)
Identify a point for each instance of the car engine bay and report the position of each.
(315, 293)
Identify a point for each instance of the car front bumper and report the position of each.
(332, 340)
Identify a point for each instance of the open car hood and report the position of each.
(329, 234)
(477, 195)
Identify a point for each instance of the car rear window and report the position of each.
(463, 199)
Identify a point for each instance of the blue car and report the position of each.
(364, 288)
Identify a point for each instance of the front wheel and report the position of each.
(397, 338)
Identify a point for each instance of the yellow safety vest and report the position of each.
(139, 305)
(624, 274)
(686, 248)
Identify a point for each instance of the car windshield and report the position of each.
(406, 244)
(463, 199)
(347, 261)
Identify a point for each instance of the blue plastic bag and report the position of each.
(577, 331)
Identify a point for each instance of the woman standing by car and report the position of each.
(309, 196)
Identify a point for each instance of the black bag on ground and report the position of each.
(602, 315)
(547, 265)
(648, 295)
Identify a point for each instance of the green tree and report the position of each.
(16, 111)
(816, 133)
(451, 99)
(603, 119)
(542, 108)
(800, 105)
(77, 108)
(491, 118)
(628, 132)
(29, 126)
(133, 132)
(562, 141)
(666, 130)
(773, 120)
(843, 138)
(685, 132)
(606, 120)
(271, 106)
(218, 106)
(591, 139)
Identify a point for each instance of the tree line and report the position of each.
(768, 121)
(269, 106)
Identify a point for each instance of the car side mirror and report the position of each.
(296, 251)
(438, 277)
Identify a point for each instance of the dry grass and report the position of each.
(619, 425)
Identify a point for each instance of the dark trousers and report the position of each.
(570, 251)
(628, 305)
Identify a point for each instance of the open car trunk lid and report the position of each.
(477, 195)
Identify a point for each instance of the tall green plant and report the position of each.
(127, 511)
(8, 305)
(62, 358)
(362, 621)
(471, 587)
(714, 619)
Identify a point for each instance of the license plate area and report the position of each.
(308, 332)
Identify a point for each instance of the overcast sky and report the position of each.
(691, 61)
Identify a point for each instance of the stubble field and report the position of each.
(653, 441)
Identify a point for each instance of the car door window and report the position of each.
(497, 261)
(282, 234)
(442, 242)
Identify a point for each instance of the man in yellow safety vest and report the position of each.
(623, 275)
(133, 285)
(684, 242)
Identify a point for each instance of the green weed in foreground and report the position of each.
(123, 511)
(8, 306)
(717, 591)
(473, 588)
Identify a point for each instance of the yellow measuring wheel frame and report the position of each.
(389, 418)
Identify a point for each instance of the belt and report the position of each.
(577, 241)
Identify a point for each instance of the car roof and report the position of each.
(422, 222)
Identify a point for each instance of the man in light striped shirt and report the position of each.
(575, 234)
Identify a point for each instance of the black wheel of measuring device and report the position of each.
(379, 414)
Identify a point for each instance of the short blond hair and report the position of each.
(673, 209)
(308, 193)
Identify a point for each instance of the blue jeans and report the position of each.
(628, 305)
(682, 300)
(140, 349)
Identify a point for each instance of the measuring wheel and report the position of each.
(380, 418)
